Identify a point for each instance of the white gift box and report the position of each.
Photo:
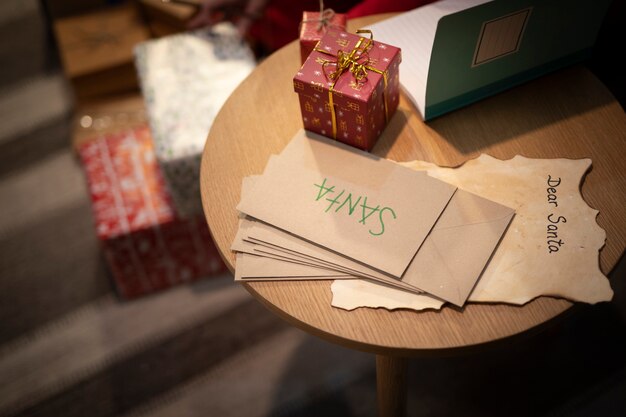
(185, 79)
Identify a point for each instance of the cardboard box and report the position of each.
(148, 248)
(97, 50)
(349, 88)
(314, 25)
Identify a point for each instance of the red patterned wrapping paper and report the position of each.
(311, 31)
(362, 108)
(148, 248)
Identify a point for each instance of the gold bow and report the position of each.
(356, 61)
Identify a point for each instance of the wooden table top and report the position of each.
(568, 114)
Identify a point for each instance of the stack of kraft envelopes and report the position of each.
(325, 210)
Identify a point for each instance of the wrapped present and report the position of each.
(314, 25)
(148, 248)
(96, 50)
(185, 79)
(349, 87)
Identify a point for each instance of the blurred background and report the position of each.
(114, 302)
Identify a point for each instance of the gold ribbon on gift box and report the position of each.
(357, 62)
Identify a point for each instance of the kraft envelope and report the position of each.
(351, 202)
(251, 268)
(449, 262)
(306, 253)
(282, 256)
(240, 244)
(447, 265)
(266, 249)
(251, 248)
(325, 269)
(276, 265)
(459, 247)
(280, 243)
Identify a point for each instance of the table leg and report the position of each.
(391, 382)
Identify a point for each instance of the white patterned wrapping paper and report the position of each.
(185, 79)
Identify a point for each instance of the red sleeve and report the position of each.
(369, 7)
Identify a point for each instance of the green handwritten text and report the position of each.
(345, 202)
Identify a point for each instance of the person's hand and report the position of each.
(241, 12)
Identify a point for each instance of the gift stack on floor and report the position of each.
(148, 247)
(148, 243)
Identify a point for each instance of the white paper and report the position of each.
(414, 33)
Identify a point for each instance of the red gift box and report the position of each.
(314, 25)
(349, 88)
(147, 247)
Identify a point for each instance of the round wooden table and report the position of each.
(568, 114)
